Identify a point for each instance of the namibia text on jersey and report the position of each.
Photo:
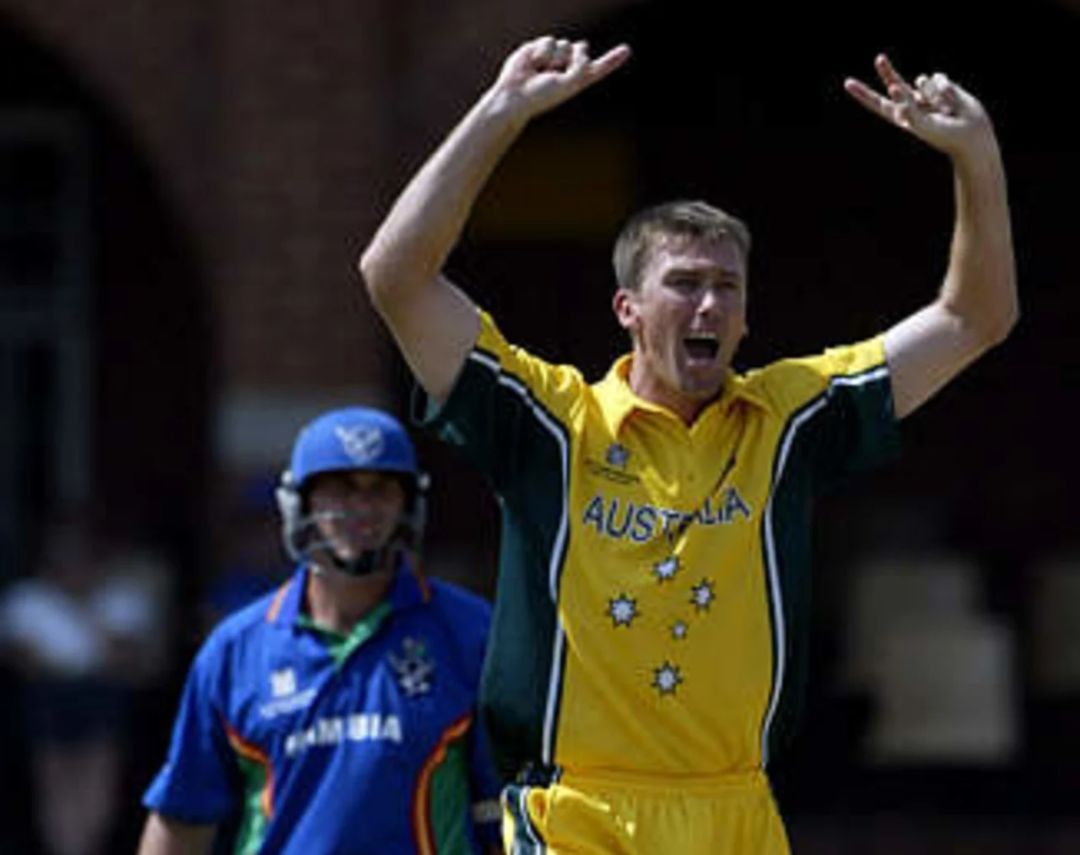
(617, 519)
(359, 727)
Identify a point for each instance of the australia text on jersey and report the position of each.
(625, 519)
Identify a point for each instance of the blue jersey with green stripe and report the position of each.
(358, 745)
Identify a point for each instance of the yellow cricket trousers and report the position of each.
(590, 814)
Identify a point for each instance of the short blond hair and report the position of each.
(684, 218)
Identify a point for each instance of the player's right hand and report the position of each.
(545, 72)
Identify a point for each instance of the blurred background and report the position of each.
(184, 189)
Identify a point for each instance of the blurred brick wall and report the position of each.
(281, 131)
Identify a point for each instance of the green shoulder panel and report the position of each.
(515, 439)
(848, 426)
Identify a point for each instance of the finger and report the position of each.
(541, 51)
(939, 93)
(898, 88)
(579, 59)
(609, 62)
(869, 98)
(905, 98)
(944, 90)
(923, 93)
(561, 53)
(888, 73)
(950, 97)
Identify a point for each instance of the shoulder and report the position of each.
(454, 598)
(469, 613)
(788, 384)
(243, 626)
(519, 367)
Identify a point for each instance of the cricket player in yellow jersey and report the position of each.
(648, 637)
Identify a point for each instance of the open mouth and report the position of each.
(702, 346)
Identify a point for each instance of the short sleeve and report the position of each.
(197, 782)
(508, 411)
(838, 408)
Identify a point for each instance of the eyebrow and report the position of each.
(697, 270)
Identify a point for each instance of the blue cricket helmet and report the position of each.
(349, 439)
(352, 438)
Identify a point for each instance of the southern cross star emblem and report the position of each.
(679, 630)
(617, 455)
(702, 595)
(623, 610)
(666, 678)
(665, 570)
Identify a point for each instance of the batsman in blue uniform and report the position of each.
(336, 715)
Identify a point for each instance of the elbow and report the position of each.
(1009, 324)
(1004, 320)
(375, 275)
(994, 330)
(986, 317)
(1007, 320)
(392, 284)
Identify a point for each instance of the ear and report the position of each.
(626, 310)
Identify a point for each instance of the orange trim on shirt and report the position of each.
(422, 831)
(252, 752)
(425, 588)
(275, 604)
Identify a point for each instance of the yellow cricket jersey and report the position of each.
(652, 593)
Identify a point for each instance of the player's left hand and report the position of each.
(935, 109)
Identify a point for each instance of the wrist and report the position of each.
(979, 144)
(980, 156)
(504, 108)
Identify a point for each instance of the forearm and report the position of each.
(165, 836)
(412, 244)
(977, 304)
(434, 323)
(980, 285)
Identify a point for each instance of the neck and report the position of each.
(648, 388)
(336, 600)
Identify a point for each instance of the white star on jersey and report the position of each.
(703, 595)
(679, 630)
(666, 678)
(623, 610)
(665, 570)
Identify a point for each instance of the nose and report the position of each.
(363, 502)
(708, 301)
(359, 503)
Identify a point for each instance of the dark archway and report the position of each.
(107, 344)
(149, 320)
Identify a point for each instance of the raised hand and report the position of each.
(545, 72)
(935, 109)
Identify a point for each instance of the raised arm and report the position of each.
(977, 305)
(435, 325)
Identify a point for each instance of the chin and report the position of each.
(703, 391)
